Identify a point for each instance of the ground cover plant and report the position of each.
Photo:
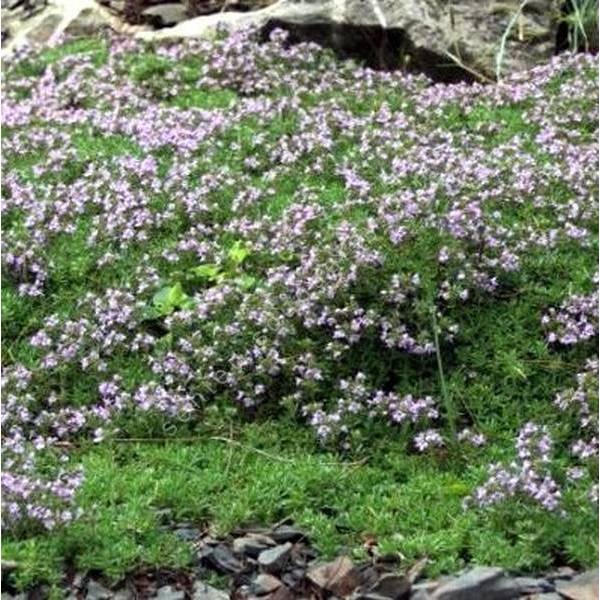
(245, 281)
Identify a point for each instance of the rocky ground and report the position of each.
(462, 37)
(279, 563)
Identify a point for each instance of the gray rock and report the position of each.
(96, 591)
(252, 544)
(391, 586)
(187, 534)
(532, 585)
(548, 596)
(166, 15)
(265, 584)
(339, 576)
(222, 559)
(462, 28)
(88, 22)
(43, 30)
(423, 590)
(168, 592)
(203, 591)
(561, 573)
(471, 585)
(581, 587)
(273, 559)
(78, 581)
(287, 533)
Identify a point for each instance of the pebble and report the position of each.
(273, 559)
(96, 591)
(223, 560)
(286, 533)
(252, 544)
(168, 592)
(338, 577)
(203, 591)
(265, 584)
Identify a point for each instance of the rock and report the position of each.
(432, 31)
(252, 544)
(273, 559)
(96, 591)
(165, 15)
(531, 585)
(44, 30)
(474, 584)
(283, 593)
(265, 584)
(203, 591)
(293, 578)
(187, 534)
(581, 587)
(87, 22)
(80, 18)
(561, 573)
(338, 577)
(391, 586)
(168, 592)
(415, 570)
(425, 587)
(548, 596)
(221, 559)
(78, 581)
(287, 533)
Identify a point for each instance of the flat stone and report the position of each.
(548, 596)
(96, 591)
(203, 591)
(287, 533)
(471, 585)
(187, 534)
(581, 587)
(338, 577)
(252, 544)
(166, 14)
(44, 30)
(425, 587)
(88, 22)
(272, 559)
(561, 573)
(168, 592)
(391, 586)
(265, 584)
(222, 559)
(533, 585)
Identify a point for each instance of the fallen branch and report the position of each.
(473, 72)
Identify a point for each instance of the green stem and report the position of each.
(448, 405)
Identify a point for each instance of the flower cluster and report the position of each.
(260, 224)
(528, 475)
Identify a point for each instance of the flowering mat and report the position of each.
(244, 282)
